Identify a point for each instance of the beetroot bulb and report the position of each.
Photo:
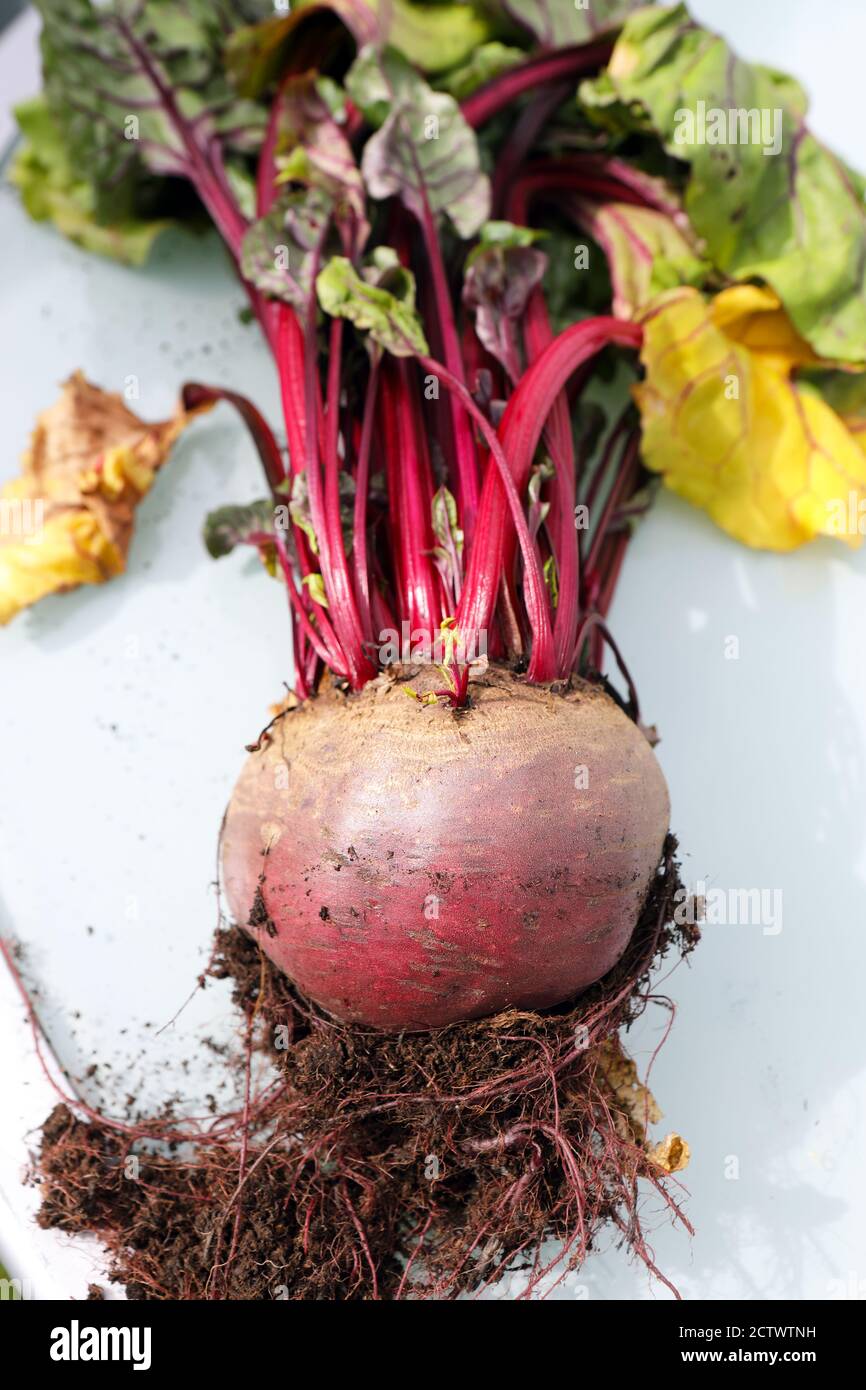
(409, 867)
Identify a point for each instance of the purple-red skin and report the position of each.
(409, 868)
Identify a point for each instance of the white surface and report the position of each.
(19, 68)
(126, 711)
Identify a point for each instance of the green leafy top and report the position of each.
(483, 64)
(775, 204)
(424, 151)
(113, 71)
(387, 314)
(321, 196)
(434, 37)
(279, 250)
(312, 149)
(557, 23)
(51, 189)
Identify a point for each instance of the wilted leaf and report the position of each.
(672, 1154)
(638, 1109)
(68, 519)
(729, 427)
(390, 320)
(425, 152)
(636, 1104)
(845, 393)
(771, 202)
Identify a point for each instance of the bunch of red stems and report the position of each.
(387, 576)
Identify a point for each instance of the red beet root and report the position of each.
(409, 867)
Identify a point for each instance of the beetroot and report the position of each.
(484, 868)
(410, 867)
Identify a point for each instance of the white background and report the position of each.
(125, 711)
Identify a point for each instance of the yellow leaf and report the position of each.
(753, 315)
(857, 428)
(731, 430)
(70, 549)
(68, 519)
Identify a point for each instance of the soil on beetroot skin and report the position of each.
(380, 1166)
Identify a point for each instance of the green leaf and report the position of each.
(556, 23)
(433, 37)
(505, 235)
(391, 320)
(486, 62)
(51, 191)
(313, 150)
(436, 37)
(231, 526)
(425, 153)
(646, 251)
(107, 69)
(386, 271)
(278, 250)
(776, 204)
(445, 520)
(428, 699)
(299, 510)
(333, 96)
(844, 392)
